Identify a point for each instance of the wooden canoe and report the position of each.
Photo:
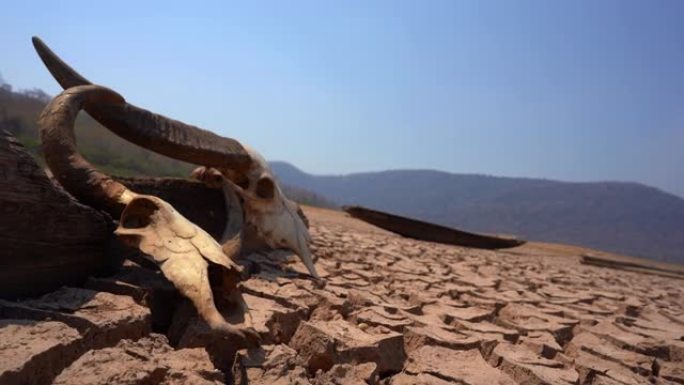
(425, 231)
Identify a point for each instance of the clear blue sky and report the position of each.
(574, 90)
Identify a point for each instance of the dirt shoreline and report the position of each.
(393, 311)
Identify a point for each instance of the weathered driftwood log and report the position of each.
(47, 238)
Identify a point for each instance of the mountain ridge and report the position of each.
(624, 217)
(282, 165)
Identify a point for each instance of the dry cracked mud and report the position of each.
(393, 311)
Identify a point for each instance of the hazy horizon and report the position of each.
(576, 92)
(464, 173)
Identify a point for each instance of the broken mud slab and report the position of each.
(430, 360)
(394, 311)
(34, 352)
(323, 344)
(42, 336)
(149, 360)
(102, 318)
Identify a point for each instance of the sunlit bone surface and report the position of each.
(182, 250)
(267, 209)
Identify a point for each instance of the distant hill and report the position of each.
(307, 197)
(628, 218)
(623, 217)
(19, 112)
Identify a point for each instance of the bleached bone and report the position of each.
(266, 208)
(182, 250)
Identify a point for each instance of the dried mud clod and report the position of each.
(393, 311)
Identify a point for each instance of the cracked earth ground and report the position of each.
(393, 311)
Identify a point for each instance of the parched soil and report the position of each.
(393, 311)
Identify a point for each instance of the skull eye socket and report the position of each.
(138, 214)
(215, 179)
(265, 188)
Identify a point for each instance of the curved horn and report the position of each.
(154, 132)
(181, 249)
(72, 171)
